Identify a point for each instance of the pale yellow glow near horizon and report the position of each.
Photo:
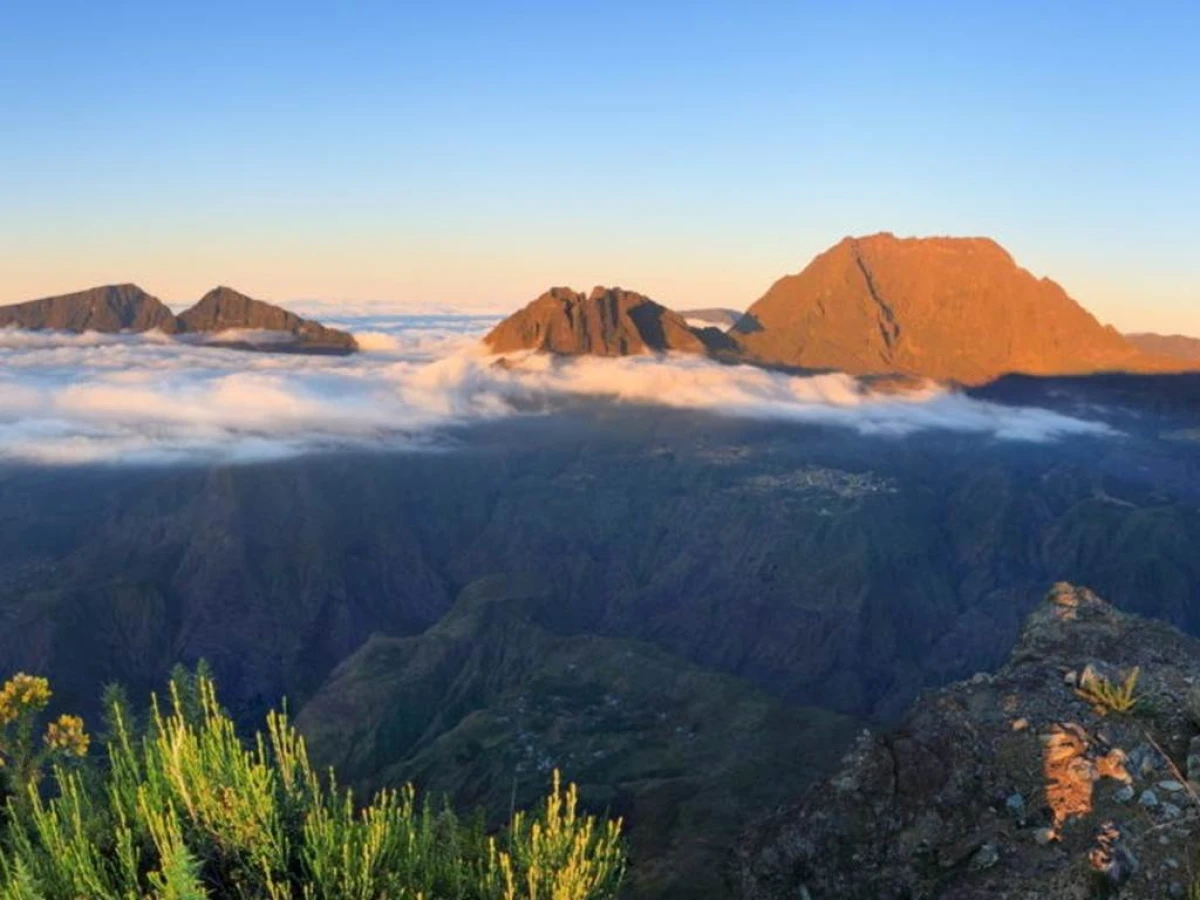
(398, 275)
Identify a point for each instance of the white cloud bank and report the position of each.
(69, 399)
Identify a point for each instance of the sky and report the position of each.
(468, 155)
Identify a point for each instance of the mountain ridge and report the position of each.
(109, 308)
(112, 309)
(952, 309)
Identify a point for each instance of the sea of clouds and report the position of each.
(73, 399)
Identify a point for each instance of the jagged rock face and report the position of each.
(111, 309)
(606, 322)
(1018, 785)
(224, 309)
(954, 309)
(1175, 346)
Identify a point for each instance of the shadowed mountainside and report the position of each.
(483, 704)
(763, 565)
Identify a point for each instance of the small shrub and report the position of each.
(187, 811)
(23, 759)
(1107, 696)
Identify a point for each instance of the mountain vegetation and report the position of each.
(180, 807)
(486, 702)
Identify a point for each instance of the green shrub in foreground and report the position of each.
(188, 812)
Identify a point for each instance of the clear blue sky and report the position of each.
(474, 153)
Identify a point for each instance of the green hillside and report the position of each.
(488, 701)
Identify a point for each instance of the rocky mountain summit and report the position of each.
(224, 309)
(251, 324)
(957, 309)
(117, 307)
(949, 309)
(606, 322)
(1070, 773)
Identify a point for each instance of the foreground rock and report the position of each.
(225, 310)
(1014, 785)
(957, 309)
(111, 309)
(606, 322)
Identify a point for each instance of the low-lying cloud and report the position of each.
(71, 399)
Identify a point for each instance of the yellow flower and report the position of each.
(67, 735)
(22, 694)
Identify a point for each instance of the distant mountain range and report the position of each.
(1176, 346)
(126, 307)
(951, 309)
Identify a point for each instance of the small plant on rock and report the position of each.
(1108, 696)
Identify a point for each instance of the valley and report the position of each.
(666, 604)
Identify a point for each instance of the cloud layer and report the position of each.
(70, 399)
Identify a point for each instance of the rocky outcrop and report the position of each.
(957, 309)
(111, 309)
(606, 322)
(1175, 346)
(225, 310)
(1029, 783)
